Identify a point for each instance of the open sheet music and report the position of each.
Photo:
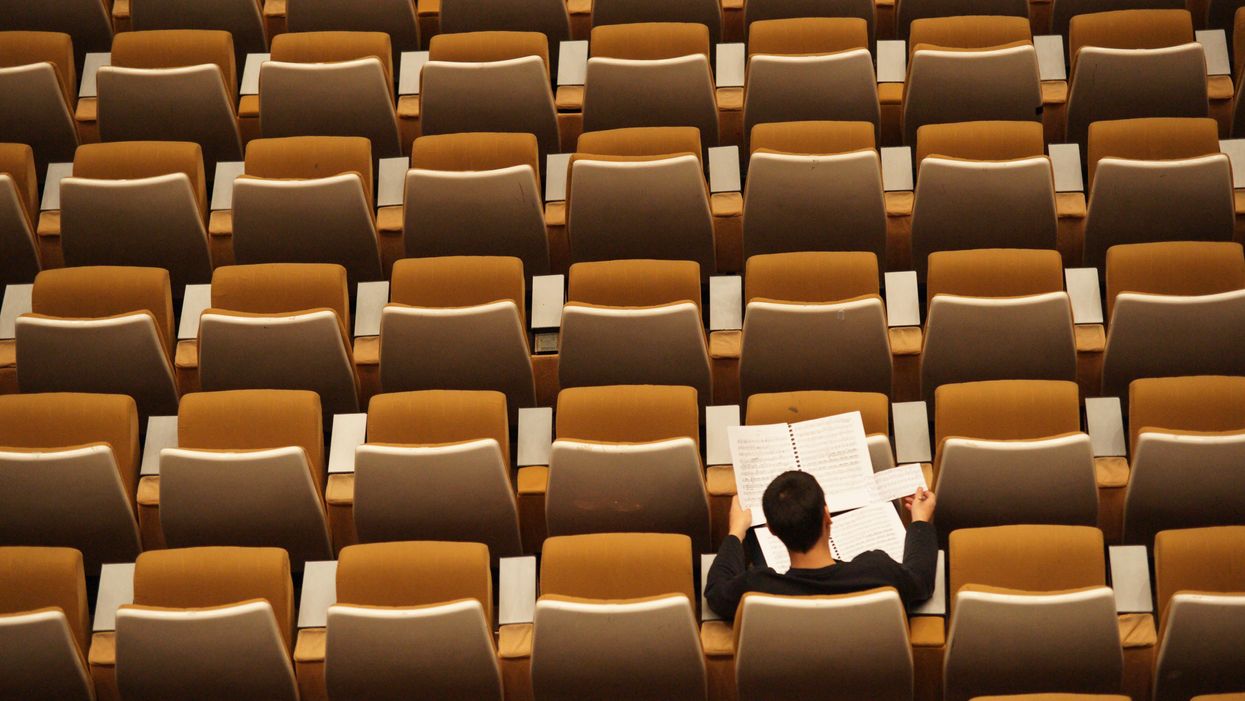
(873, 527)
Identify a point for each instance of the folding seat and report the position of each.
(640, 193)
(650, 75)
(458, 323)
(815, 68)
(86, 21)
(909, 11)
(208, 623)
(797, 9)
(706, 12)
(1159, 179)
(790, 407)
(248, 470)
(19, 205)
(842, 647)
(243, 19)
(437, 467)
(549, 17)
(44, 625)
(69, 463)
(1187, 445)
(1201, 602)
(1173, 308)
(312, 78)
(38, 80)
(172, 85)
(280, 326)
(602, 596)
(970, 68)
(634, 322)
(814, 320)
(393, 17)
(140, 203)
(617, 468)
(412, 619)
(1030, 612)
(100, 329)
(1133, 63)
(308, 199)
(489, 82)
(997, 199)
(1063, 11)
(476, 194)
(996, 314)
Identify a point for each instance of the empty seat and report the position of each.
(706, 12)
(208, 622)
(140, 203)
(650, 75)
(618, 467)
(996, 314)
(1004, 410)
(248, 470)
(1193, 404)
(100, 329)
(798, 9)
(241, 18)
(393, 17)
(69, 463)
(331, 84)
(634, 322)
(412, 618)
(43, 625)
(489, 81)
(1201, 603)
(814, 186)
(1062, 11)
(19, 205)
(461, 198)
(602, 596)
(1173, 309)
(549, 17)
(38, 79)
(172, 85)
(310, 200)
(280, 326)
(437, 467)
(910, 11)
(87, 21)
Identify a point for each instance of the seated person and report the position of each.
(796, 513)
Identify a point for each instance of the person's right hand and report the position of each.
(921, 504)
(740, 519)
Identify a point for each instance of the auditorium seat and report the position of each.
(996, 314)
(100, 329)
(627, 459)
(913, 11)
(814, 320)
(214, 622)
(476, 194)
(634, 322)
(313, 75)
(241, 18)
(704, 12)
(19, 207)
(1030, 612)
(308, 199)
(489, 82)
(602, 596)
(639, 192)
(1133, 63)
(412, 619)
(280, 326)
(814, 186)
(1063, 11)
(549, 17)
(141, 203)
(1173, 308)
(1188, 441)
(85, 20)
(758, 10)
(393, 17)
(650, 75)
(814, 68)
(790, 407)
(40, 85)
(172, 85)
(1201, 601)
(69, 463)
(248, 470)
(458, 322)
(837, 648)
(44, 625)
(1159, 179)
(970, 68)
(437, 467)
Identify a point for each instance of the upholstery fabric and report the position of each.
(101, 291)
(310, 157)
(431, 417)
(649, 40)
(414, 574)
(807, 35)
(1031, 558)
(1151, 139)
(972, 32)
(994, 272)
(812, 138)
(126, 160)
(1129, 29)
(980, 141)
(279, 288)
(1197, 559)
(22, 48)
(37, 578)
(1174, 268)
(332, 47)
(789, 407)
(811, 276)
(1203, 403)
(18, 160)
(634, 283)
(617, 566)
(1006, 410)
(457, 281)
(640, 141)
(476, 151)
(488, 46)
(175, 48)
(628, 413)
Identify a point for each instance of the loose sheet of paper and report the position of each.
(874, 527)
(775, 552)
(834, 450)
(898, 482)
(759, 454)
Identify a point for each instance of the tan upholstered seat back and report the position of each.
(628, 413)
(129, 160)
(414, 573)
(1199, 403)
(617, 566)
(333, 47)
(1006, 410)
(476, 151)
(18, 162)
(980, 141)
(457, 281)
(1031, 558)
(811, 276)
(431, 417)
(1151, 139)
(241, 18)
(819, 137)
(994, 272)
(38, 578)
(1200, 560)
(634, 283)
(20, 48)
(94, 292)
(647, 41)
(395, 18)
(968, 32)
(305, 157)
(640, 141)
(281, 288)
(1129, 29)
(481, 47)
(789, 407)
(1174, 268)
(175, 48)
(760, 10)
(807, 35)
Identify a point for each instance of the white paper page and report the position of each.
(874, 527)
(898, 482)
(834, 450)
(759, 454)
(776, 555)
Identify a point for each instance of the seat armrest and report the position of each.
(724, 169)
(572, 62)
(555, 176)
(222, 184)
(718, 422)
(1065, 159)
(319, 593)
(1215, 45)
(927, 631)
(717, 638)
(726, 303)
(516, 590)
(1105, 422)
(547, 300)
(936, 604)
(250, 74)
(1050, 55)
(116, 589)
(514, 642)
(892, 58)
(57, 172)
(17, 301)
(1235, 149)
(349, 432)
(532, 480)
(161, 434)
(896, 168)
(1130, 579)
(1082, 285)
(90, 67)
(412, 64)
(706, 613)
(369, 303)
(197, 299)
(731, 65)
(535, 436)
(911, 432)
(903, 303)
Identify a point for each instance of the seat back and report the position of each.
(549, 17)
(241, 18)
(989, 140)
(1182, 480)
(706, 12)
(1197, 560)
(850, 646)
(19, 256)
(434, 417)
(1005, 410)
(36, 578)
(1026, 557)
(802, 9)
(36, 113)
(958, 86)
(838, 86)
(295, 100)
(1064, 10)
(43, 625)
(628, 414)
(637, 93)
(393, 17)
(909, 11)
(1176, 404)
(617, 565)
(1151, 139)
(87, 21)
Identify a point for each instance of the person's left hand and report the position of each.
(740, 519)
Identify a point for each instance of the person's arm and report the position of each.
(920, 552)
(726, 583)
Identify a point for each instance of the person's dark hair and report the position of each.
(793, 504)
